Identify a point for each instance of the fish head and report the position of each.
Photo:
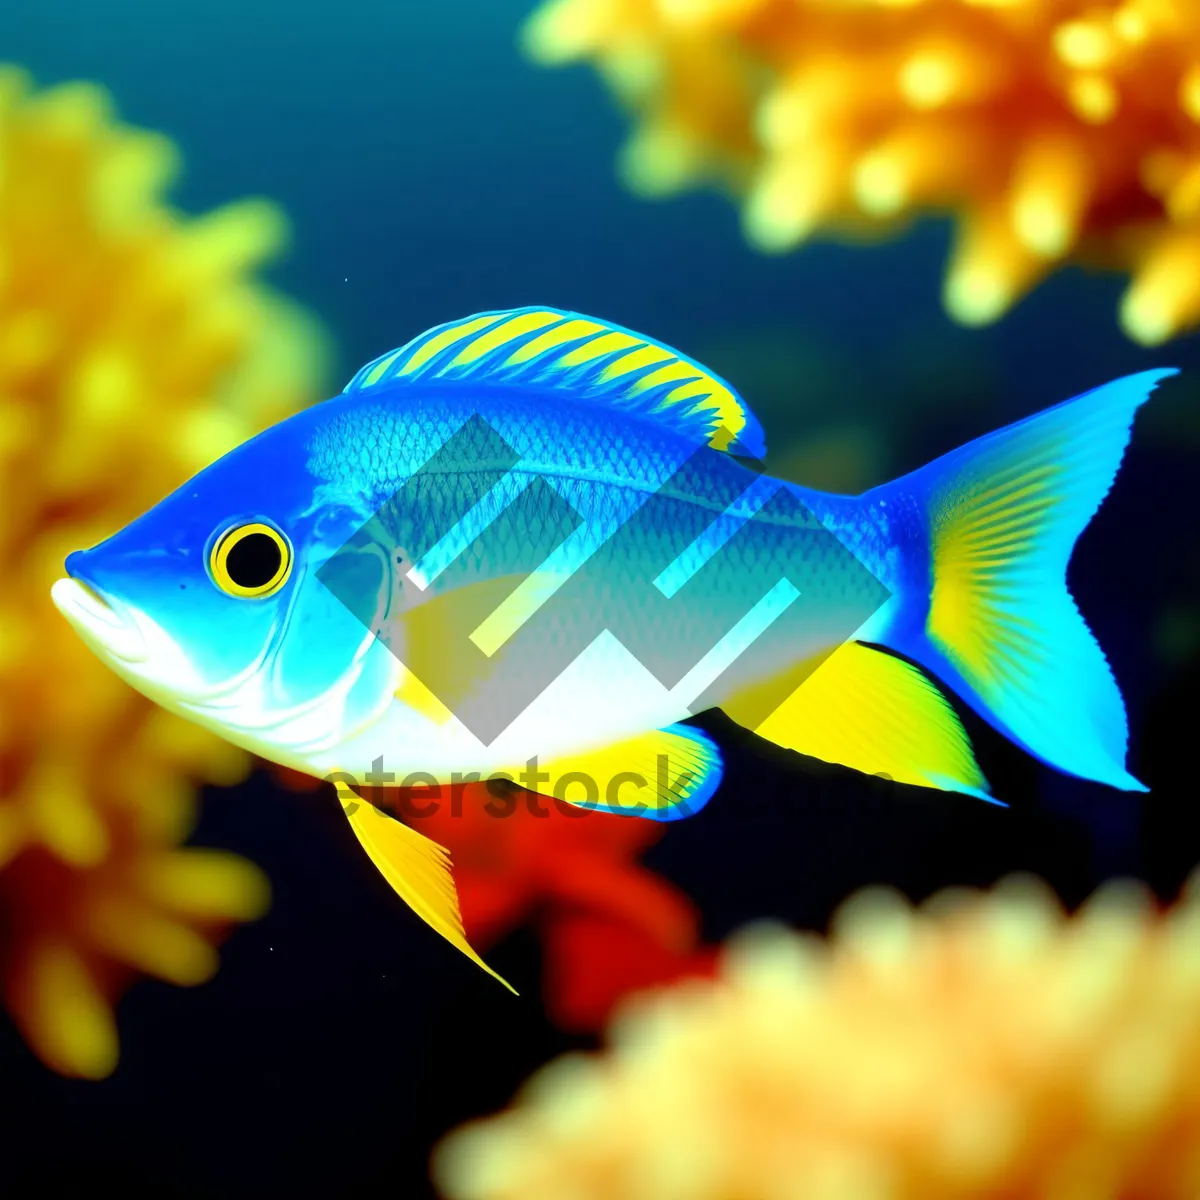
(215, 605)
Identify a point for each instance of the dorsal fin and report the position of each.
(588, 359)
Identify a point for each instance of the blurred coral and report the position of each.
(983, 1046)
(607, 923)
(134, 348)
(1056, 130)
(594, 960)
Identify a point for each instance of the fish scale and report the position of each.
(591, 476)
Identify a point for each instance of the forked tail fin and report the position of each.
(988, 610)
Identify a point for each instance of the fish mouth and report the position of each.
(104, 626)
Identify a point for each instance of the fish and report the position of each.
(528, 546)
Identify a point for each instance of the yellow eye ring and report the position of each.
(251, 561)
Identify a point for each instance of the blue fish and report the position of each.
(530, 544)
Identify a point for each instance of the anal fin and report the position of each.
(876, 713)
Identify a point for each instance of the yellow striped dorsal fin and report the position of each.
(589, 359)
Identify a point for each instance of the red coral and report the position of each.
(608, 924)
(592, 961)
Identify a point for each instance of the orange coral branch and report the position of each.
(1055, 130)
(134, 349)
(985, 1046)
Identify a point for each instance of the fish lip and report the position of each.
(97, 600)
(99, 620)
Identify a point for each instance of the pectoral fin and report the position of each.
(876, 713)
(417, 868)
(450, 643)
(418, 697)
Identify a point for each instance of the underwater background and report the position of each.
(429, 170)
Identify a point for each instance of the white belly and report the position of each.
(606, 695)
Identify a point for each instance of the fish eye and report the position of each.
(252, 561)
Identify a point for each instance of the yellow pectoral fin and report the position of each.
(664, 775)
(418, 697)
(417, 868)
(878, 714)
(449, 643)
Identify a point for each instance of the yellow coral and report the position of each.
(133, 350)
(984, 1046)
(1056, 129)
